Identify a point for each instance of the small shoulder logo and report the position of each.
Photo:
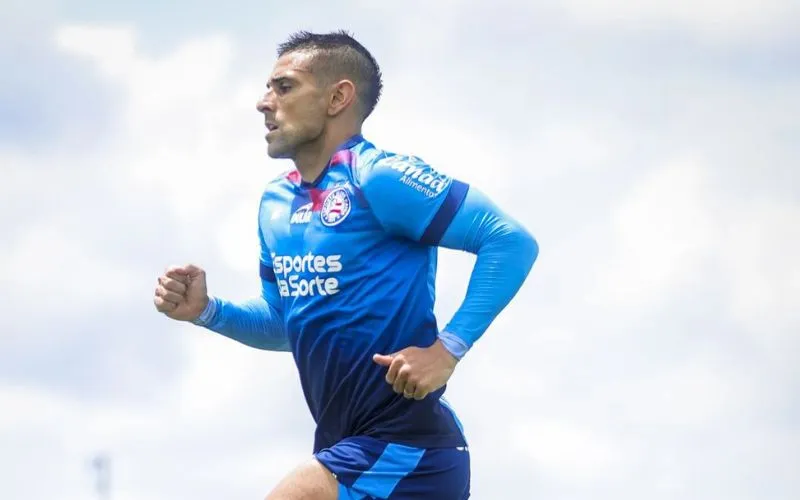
(336, 207)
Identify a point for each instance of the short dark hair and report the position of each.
(338, 54)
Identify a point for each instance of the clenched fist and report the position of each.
(181, 292)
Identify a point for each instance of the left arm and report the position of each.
(505, 253)
(413, 200)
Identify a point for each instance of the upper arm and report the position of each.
(480, 221)
(412, 199)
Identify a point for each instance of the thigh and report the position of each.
(369, 469)
(310, 481)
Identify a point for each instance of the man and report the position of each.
(348, 260)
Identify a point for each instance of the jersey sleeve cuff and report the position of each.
(208, 313)
(457, 347)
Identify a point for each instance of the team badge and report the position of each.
(336, 207)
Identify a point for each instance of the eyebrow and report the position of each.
(285, 78)
(279, 79)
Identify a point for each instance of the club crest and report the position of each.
(336, 207)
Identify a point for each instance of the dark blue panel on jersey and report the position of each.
(444, 216)
(267, 273)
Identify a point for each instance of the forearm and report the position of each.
(252, 322)
(505, 254)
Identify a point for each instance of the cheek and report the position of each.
(308, 117)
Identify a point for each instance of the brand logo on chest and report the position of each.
(302, 215)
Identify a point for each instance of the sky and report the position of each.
(650, 147)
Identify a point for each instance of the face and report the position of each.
(294, 106)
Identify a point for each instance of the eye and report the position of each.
(284, 88)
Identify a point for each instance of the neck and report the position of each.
(312, 160)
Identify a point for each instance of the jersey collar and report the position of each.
(342, 155)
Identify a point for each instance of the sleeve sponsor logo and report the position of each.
(420, 176)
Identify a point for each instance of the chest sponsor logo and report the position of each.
(307, 275)
(336, 207)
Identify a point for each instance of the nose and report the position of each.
(267, 103)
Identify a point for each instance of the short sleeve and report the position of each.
(412, 199)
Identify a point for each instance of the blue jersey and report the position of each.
(348, 268)
(353, 257)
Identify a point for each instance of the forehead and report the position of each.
(296, 65)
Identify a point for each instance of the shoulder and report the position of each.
(278, 192)
(281, 185)
(380, 170)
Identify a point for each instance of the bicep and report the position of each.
(477, 221)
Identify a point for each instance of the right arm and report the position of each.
(256, 322)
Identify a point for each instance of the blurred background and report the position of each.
(653, 148)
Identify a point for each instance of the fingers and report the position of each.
(172, 285)
(191, 270)
(402, 377)
(169, 296)
(185, 273)
(382, 359)
(401, 380)
(394, 368)
(163, 305)
(177, 273)
(409, 390)
(171, 289)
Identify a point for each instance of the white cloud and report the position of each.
(713, 18)
(47, 261)
(661, 232)
(567, 452)
(183, 130)
(761, 248)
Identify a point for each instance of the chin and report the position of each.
(279, 151)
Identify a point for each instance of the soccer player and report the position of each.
(349, 243)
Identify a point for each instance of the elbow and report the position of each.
(529, 249)
(518, 245)
(525, 247)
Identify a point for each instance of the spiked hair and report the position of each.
(338, 55)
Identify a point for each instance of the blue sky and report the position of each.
(651, 148)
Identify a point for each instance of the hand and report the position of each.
(181, 293)
(415, 372)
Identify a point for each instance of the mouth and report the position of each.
(271, 127)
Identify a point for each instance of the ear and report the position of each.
(342, 97)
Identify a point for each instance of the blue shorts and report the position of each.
(370, 469)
